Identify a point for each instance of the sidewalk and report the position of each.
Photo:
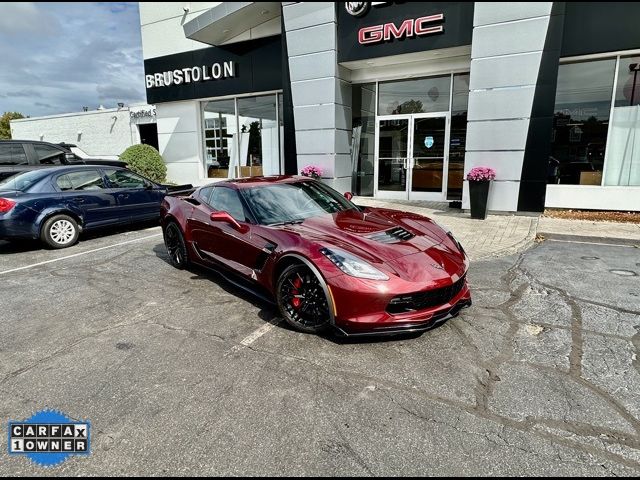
(501, 235)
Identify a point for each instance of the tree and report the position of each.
(5, 128)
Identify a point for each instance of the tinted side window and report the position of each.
(84, 180)
(205, 193)
(125, 179)
(48, 155)
(227, 200)
(12, 154)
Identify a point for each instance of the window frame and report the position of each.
(248, 214)
(146, 182)
(99, 171)
(11, 146)
(61, 155)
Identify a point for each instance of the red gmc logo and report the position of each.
(409, 28)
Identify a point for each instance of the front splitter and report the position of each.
(410, 328)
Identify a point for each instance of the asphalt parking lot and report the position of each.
(180, 373)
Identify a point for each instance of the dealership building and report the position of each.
(400, 100)
(104, 132)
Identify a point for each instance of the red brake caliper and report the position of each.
(295, 301)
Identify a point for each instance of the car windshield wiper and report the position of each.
(288, 222)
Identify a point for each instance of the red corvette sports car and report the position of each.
(324, 261)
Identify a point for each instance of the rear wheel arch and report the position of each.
(170, 218)
(79, 220)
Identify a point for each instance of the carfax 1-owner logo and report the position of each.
(49, 437)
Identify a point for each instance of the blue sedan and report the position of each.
(56, 204)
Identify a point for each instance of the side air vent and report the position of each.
(394, 235)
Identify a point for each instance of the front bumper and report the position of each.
(361, 308)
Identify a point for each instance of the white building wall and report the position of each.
(161, 26)
(180, 141)
(99, 133)
(179, 123)
(593, 197)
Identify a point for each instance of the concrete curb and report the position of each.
(592, 239)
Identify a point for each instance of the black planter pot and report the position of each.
(479, 194)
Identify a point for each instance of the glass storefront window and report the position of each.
(458, 136)
(623, 149)
(581, 121)
(220, 136)
(421, 95)
(628, 83)
(259, 136)
(245, 142)
(363, 138)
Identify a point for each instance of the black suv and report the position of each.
(18, 156)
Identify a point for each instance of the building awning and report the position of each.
(234, 21)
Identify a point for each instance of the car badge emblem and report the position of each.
(356, 9)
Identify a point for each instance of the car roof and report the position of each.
(250, 182)
(67, 168)
(42, 142)
(14, 140)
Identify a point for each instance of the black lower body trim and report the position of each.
(410, 328)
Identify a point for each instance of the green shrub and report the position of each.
(145, 160)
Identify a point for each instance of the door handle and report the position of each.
(78, 200)
(123, 195)
(404, 163)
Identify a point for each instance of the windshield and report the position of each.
(22, 181)
(293, 202)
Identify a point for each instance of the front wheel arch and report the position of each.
(294, 258)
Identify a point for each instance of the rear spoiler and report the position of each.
(179, 190)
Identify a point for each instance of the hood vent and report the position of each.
(394, 235)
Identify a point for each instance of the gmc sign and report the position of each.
(409, 28)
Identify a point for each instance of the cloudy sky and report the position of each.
(59, 57)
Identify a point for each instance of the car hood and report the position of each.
(403, 243)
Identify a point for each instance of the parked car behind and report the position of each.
(56, 204)
(17, 156)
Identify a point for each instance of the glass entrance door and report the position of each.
(412, 157)
(393, 157)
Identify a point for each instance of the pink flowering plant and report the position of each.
(481, 174)
(312, 171)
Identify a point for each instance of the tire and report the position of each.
(60, 231)
(310, 314)
(176, 247)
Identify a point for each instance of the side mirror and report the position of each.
(224, 217)
(348, 195)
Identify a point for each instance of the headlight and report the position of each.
(352, 265)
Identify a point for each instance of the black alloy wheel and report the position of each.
(176, 248)
(302, 299)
